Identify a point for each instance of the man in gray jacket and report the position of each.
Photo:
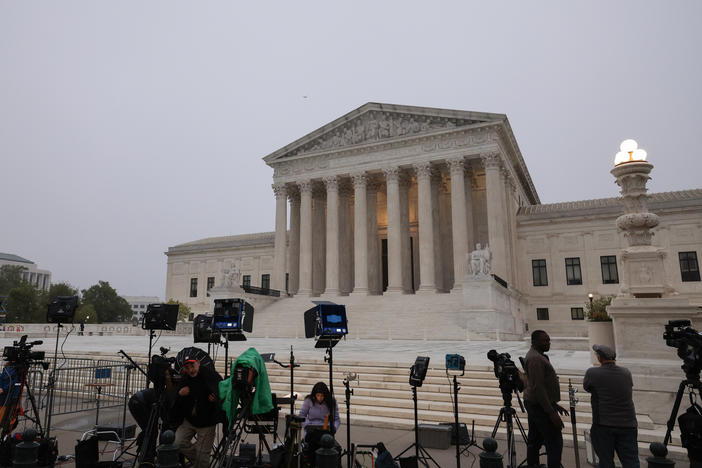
(613, 414)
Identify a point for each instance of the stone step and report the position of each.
(303, 384)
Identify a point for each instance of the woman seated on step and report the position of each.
(318, 409)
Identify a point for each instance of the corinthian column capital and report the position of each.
(280, 190)
(331, 182)
(423, 170)
(360, 179)
(305, 186)
(491, 160)
(392, 174)
(456, 164)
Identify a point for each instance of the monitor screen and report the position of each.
(227, 315)
(333, 318)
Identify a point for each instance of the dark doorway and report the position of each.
(384, 256)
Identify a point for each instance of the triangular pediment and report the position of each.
(375, 122)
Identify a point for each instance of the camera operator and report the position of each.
(198, 401)
(9, 378)
(541, 398)
(613, 414)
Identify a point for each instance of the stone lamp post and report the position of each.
(645, 301)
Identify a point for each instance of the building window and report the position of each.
(573, 275)
(577, 313)
(141, 306)
(210, 284)
(541, 313)
(193, 287)
(287, 281)
(689, 269)
(610, 275)
(538, 268)
(266, 281)
(246, 280)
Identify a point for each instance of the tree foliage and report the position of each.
(24, 304)
(10, 278)
(596, 310)
(110, 307)
(183, 310)
(86, 313)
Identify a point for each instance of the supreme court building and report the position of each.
(381, 209)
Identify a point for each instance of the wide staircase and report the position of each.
(382, 397)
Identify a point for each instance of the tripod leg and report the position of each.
(674, 412)
(500, 418)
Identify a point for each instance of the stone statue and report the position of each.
(480, 261)
(231, 276)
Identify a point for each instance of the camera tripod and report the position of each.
(692, 382)
(509, 415)
(224, 455)
(417, 447)
(10, 410)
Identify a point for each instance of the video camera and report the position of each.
(21, 352)
(679, 334)
(161, 368)
(506, 372)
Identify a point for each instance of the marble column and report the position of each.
(360, 247)
(305, 238)
(319, 236)
(345, 239)
(392, 178)
(405, 239)
(294, 242)
(469, 208)
(332, 269)
(280, 240)
(495, 212)
(375, 285)
(427, 269)
(459, 224)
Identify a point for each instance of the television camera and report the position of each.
(160, 370)
(506, 372)
(21, 352)
(688, 341)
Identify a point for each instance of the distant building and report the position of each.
(139, 304)
(38, 277)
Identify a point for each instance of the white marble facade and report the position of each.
(388, 201)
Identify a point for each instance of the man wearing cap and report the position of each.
(541, 397)
(198, 402)
(613, 414)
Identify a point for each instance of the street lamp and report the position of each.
(629, 152)
(590, 297)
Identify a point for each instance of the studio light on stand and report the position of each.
(326, 322)
(418, 373)
(230, 318)
(456, 363)
(61, 310)
(158, 317)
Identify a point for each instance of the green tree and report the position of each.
(109, 305)
(183, 310)
(10, 278)
(86, 313)
(596, 309)
(24, 305)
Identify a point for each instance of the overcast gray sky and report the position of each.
(127, 127)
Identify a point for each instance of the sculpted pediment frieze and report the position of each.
(376, 126)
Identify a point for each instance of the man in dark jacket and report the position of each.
(198, 403)
(613, 414)
(541, 397)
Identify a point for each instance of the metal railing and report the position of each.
(261, 291)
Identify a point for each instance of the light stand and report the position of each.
(52, 384)
(417, 447)
(349, 391)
